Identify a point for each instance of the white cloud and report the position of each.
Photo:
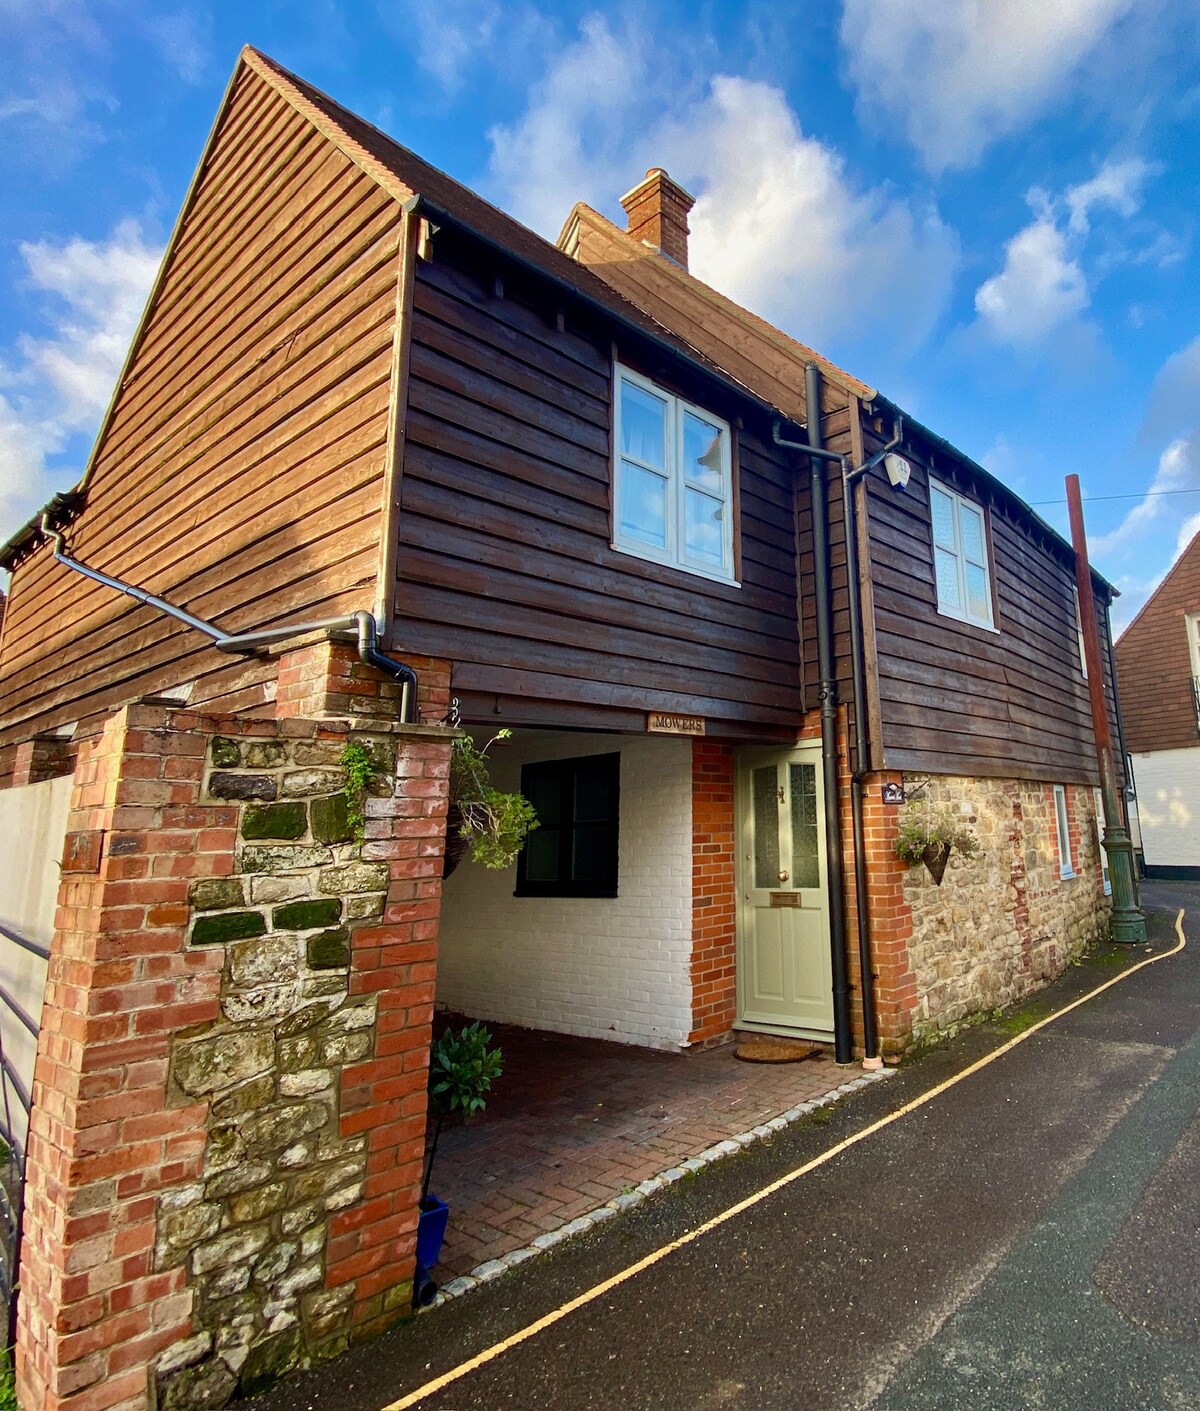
(1117, 186)
(1178, 469)
(779, 224)
(1039, 289)
(1174, 402)
(184, 40)
(957, 75)
(450, 37)
(58, 384)
(1040, 295)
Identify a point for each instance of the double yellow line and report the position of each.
(648, 1261)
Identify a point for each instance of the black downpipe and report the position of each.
(369, 653)
(828, 696)
(862, 763)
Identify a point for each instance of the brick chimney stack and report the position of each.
(657, 211)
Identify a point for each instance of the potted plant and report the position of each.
(463, 1064)
(490, 823)
(930, 834)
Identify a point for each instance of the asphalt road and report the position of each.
(1025, 1239)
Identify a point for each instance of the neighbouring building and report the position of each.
(408, 466)
(1158, 667)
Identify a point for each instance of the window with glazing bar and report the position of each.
(960, 557)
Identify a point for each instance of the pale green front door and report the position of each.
(785, 983)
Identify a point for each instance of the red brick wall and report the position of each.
(326, 679)
(714, 892)
(103, 1142)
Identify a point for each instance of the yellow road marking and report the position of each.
(648, 1261)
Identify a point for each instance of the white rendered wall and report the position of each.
(33, 824)
(1168, 806)
(608, 968)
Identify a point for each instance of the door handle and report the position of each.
(783, 876)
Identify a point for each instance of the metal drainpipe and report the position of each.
(362, 624)
(843, 1046)
(861, 750)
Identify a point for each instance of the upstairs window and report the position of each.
(1062, 824)
(672, 480)
(573, 850)
(960, 557)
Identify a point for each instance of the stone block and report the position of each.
(350, 1019)
(345, 1048)
(275, 820)
(303, 783)
(285, 1125)
(265, 960)
(224, 752)
(329, 950)
(278, 888)
(263, 1003)
(365, 907)
(330, 821)
(307, 1018)
(242, 1177)
(326, 752)
(212, 1065)
(270, 1360)
(266, 754)
(217, 893)
(354, 877)
(248, 1098)
(232, 1247)
(217, 928)
(207, 1384)
(307, 915)
(241, 786)
(282, 858)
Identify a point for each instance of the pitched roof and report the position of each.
(1182, 564)
(721, 304)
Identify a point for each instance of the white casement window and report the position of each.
(1193, 631)
(1079, 635)
(1066, 863)
(672, 480)
(960, 557)
(1098, 806)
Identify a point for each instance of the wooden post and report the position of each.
(1129, 923)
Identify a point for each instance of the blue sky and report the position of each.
(988, 210)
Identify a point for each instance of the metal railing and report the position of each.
(14, 1098)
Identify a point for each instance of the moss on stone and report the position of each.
(266, 754)
(307, 915)
(329, 950)
(275, 820)
(216, 893)
(330, 819)
(225, 753)
(228, 926)
(268, 1361)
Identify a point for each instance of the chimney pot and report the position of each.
(657, 211)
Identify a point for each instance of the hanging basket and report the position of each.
(456, 844)
(935, 857)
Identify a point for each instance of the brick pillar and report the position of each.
(323, 680)
(714, 893)
(372, 1246)
(43, 757)
(891, 918)
(104, 1143)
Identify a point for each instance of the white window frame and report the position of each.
(962, 614)
(1062, 828)
(1079, 634)
(674, 555)
(1098, 805)
(1193, 634)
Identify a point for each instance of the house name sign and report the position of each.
(660, 724)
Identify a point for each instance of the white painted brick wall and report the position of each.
(608, 968)
(1168, 806)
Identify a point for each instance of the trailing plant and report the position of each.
(8, 1385)
(929, 834)
(495, 824)
(359, 769)
(463, 1065)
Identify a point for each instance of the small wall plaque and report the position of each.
(81, 851)
(893, 793)
(660, 724)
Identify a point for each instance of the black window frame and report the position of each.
(567, 772)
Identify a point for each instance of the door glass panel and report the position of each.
(766, 827)
(806, 858)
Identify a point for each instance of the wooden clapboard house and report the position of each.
(1158, 666)
(576, 474)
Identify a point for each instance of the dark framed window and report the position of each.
(573, 850)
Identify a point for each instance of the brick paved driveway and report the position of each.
(573, 1122)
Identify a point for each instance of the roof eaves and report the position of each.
(1166, 578)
